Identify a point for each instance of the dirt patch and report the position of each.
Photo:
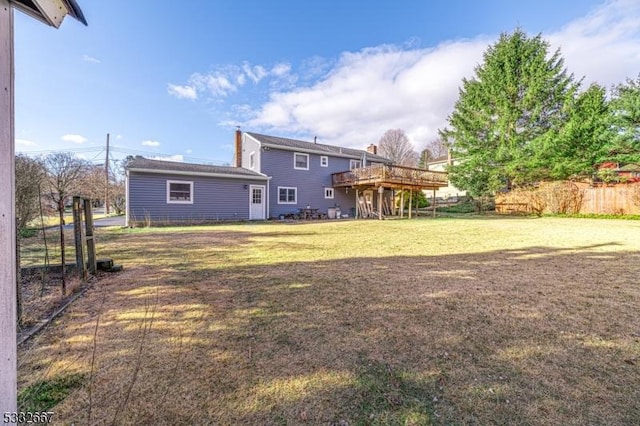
(42, 293)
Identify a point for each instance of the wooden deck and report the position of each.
(392, 177)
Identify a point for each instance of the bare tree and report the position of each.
(29, 177)
(117, 189)
(64, 179)
(437, 149)
(94, 183)
(395, 145)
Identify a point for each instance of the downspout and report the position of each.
(267, 206)
(126, 199)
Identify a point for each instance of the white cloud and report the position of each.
(182, 92)
(227, 80)
(604, 46)
(217, 84)
(150, 143)
(255, 73)
(91, 59)
(281, 69)
(178, 158)
(79, 139)
(25, 143)
(367, 92)
(315, 67)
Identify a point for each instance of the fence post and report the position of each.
(91, 243)
(77, 233)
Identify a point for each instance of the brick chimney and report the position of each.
(372, 149)
(238, 147)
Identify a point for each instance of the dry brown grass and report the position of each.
(478, 321)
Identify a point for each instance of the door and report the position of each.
(256, 202)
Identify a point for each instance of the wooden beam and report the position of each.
(410, 202)
(393, 202)
(89, 237)
(8, 357)
(81, 265)
(434, 202)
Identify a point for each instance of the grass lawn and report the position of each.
(446, 321)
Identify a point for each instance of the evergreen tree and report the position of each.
(625, 107)
(515, 100)
(577, 148)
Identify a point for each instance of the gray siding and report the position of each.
(310, 184)
(214, 198)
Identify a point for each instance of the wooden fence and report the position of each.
(611, 199)
(576, 197)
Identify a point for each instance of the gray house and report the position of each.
(300, 173)
(272, 177)
(169, 192)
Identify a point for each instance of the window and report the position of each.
(300, 161)
(355, 164)
(287, 195)
(328, 193)
(252, 160)
(256, 196)
(324, 161)
(179, 192)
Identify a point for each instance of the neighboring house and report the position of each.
(623, 173)
(300, 172)
(440, 165)
(167, 192)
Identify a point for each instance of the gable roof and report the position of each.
(141, 164)
(315, 148)
(33, 9)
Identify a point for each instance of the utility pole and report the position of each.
(106, 172)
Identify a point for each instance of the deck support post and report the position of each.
(401, 202)
(393, 202)
(357, 203)
(410, 202)
(380, 192)
(434, 202)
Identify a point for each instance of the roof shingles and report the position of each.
(275, 141)
(141, 163)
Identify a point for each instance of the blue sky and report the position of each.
(174, 79)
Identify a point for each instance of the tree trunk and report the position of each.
(62, 257)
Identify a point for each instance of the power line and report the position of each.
(99, 150)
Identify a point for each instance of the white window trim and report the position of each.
(252, 160)
(324, 161)
(294, 161)
(170, 201)
(329, 193)
(295, 192)
(352, 164)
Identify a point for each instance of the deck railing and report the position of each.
(391, 175)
